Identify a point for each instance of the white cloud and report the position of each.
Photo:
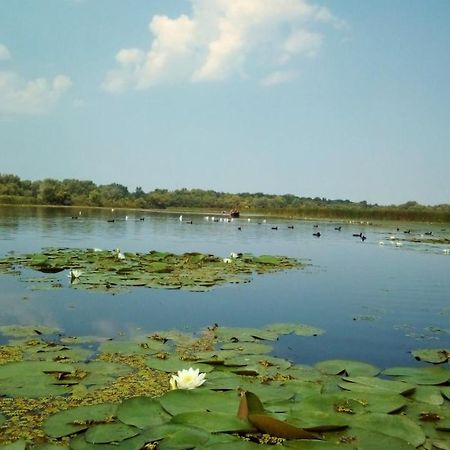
(37, 96)
(221, 39)
(4, 53)
(278, 77)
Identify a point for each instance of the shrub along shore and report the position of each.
(80, 193)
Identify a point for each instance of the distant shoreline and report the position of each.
(321, 216)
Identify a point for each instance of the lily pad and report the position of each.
(71, 421)
(298, 329)
(26, 331)
(183, 401)
(214, 422)
(142, 412)
(371, 384)
(110, 432)
(395, 426)
(347, 368)
(420, 375)
(231, 334)
(432, 355)
(17, 445)
(174, 364)
(32, 379)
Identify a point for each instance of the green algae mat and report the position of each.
(113, 270)
(87, 393)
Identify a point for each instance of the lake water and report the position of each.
(375, 302)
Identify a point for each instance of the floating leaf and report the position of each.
(181, 401)
(428, 394)
(370, 384)
(17, 445)
(142, 412)
(231, 334)
(432, 355)
(298, 329)
(173, 364)
(247, 348)
(395, 426)
(347, 368)
(110, 432)
(32, 379)
(26, 331)
(214, 422)
(73, 420)
(420, 375)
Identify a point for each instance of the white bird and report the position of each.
(398, 244)
(248, 220)
(226, 260)
(207, 218)
(126, 217)
(264, 221)
(233, 255)
(381, 243)
(446, 251)
(180, 218)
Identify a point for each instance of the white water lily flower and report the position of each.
(74, 274)
(187, 379)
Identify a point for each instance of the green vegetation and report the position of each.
(110, 271)
(122, 395)
(72, 192)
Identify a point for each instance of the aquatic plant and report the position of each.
(114, 270)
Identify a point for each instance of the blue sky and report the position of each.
(338, 99)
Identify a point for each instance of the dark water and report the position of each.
(375, 302)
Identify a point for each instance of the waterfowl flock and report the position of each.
(321, 229)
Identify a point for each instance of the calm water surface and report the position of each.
(375, 302)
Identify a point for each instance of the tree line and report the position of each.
(72, 192)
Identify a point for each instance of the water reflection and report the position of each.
(368, 297)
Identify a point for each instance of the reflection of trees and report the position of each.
(74, 192)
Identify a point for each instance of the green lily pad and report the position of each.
(26, 331)
(110, 432)
(420, 375)
(184, 438)
(214, 422)
(298, 329)
(71, 421)
(181, 401)
(247, 348)
(432, 355)
(347, 368)
(395, 426)
(371, 384)
(144, 347)
(173, 364)
(428, 394)
(32, 379)
(142, 412)
(362, 439)
(231, 334)
(134, 443)
(317, 445)
(17, 445)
